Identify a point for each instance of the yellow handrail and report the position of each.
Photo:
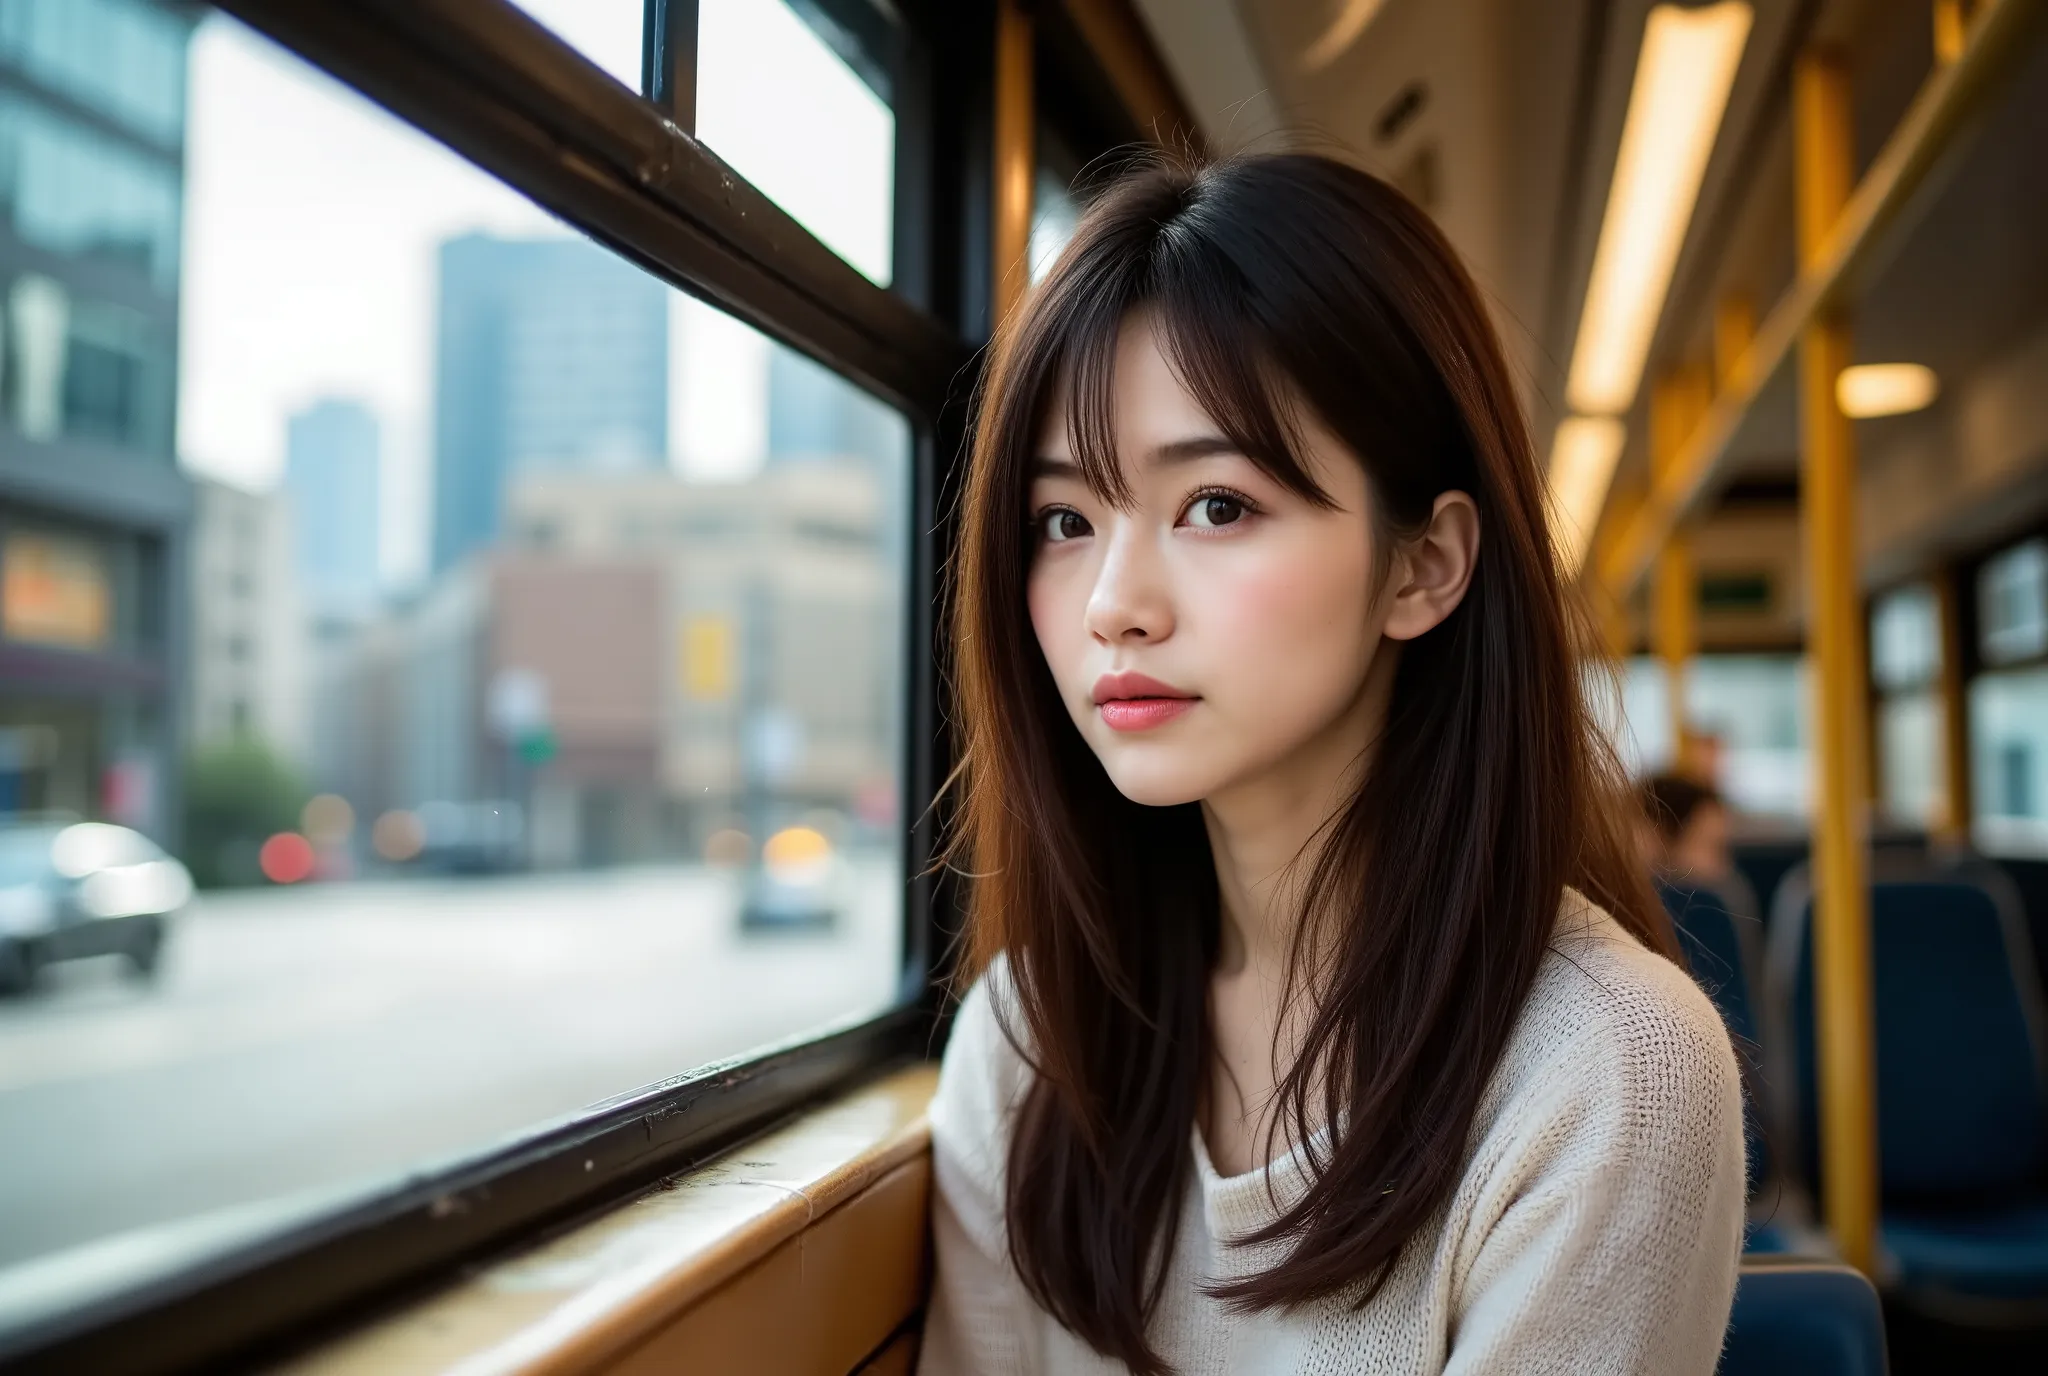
(1928, 129)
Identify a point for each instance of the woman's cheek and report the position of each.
(1285, 599)
(1058, 619)
(1278, 626)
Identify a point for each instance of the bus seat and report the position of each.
(1962, 1115)
(1717, 931)
(1763, 864)
(1804, 1318)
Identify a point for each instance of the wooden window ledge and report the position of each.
(801, 1252)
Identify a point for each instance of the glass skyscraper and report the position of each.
(549, 354)
(332, 451)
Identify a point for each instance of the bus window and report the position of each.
(605, 31)
(1905, 667)
(2009, 703)
(1749, 708)
(804, 114)
(544, 729)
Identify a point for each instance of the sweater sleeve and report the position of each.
(981, 1320)
(1617, 1215)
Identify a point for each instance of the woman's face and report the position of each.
(1221, 626)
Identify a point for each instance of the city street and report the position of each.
(306, 1038)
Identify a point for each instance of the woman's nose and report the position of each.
(1131, 600)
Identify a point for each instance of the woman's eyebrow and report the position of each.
(1194, 447)
(1172, 452)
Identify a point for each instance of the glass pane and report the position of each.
(1905, 638)
(2012, 600)
(1909, 755)
(788, 112)
(1748, 710)
(1055, 203)
(1642, 730)
(123, 58)
(1055, 212)
(1753, 708)
(605, 31)
(2009, 760)
(514, 660)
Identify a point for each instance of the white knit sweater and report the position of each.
(1596, 1229)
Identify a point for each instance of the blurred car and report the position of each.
(83, 889)
(798, 885)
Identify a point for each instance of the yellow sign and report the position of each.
(53, 591)
(707, 658)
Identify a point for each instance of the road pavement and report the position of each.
(302, 1038)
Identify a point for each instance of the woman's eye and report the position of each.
(1215, 510)
(1063, 524)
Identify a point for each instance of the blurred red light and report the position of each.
(286, 858)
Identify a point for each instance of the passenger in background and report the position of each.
(1684, 830)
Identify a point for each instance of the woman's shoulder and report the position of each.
(983, 1075)
(1610, 1019)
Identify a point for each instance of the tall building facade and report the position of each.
(814, 414)
(93, 511)
(551, 354)
(331, 487)
(249, 634)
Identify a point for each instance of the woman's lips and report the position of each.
(1142, 714)
(1138, 702)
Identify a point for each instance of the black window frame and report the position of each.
(501, 90)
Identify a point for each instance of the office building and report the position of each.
(331, 489)
(551, 355)
(249, 632)
(93, 510)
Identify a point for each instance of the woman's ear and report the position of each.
(1434, 568)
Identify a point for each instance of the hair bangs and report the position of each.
(1187, 288)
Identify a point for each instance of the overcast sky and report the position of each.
(312, 219)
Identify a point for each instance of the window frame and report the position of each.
(498, 88)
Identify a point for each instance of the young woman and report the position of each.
(1327, 1024)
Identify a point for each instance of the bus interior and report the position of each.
(476, 487)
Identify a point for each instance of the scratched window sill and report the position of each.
(610, 1294)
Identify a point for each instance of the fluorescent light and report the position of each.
(1582, 460)
(1683, 77)
(1884, 389)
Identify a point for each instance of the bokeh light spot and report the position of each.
(398, 836)
(327, 819)
(728, 846)
(286, 858)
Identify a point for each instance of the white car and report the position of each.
(83, 889)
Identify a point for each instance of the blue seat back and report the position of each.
(1716, 954)
(1809, 1318)
(1712, 939)
(1959, 1081)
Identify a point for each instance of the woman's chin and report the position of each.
(1159, 783)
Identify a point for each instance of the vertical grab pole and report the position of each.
(1954, 826)
(1015, 162)
(1615, 622)
(1844, 1021)
(1675, 628)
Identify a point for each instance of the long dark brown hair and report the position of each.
(1281, 285)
